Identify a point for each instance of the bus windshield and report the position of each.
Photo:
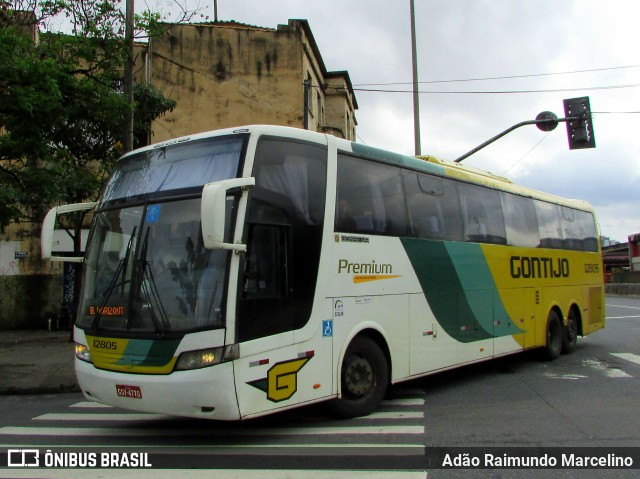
(146, 267)
(175, 167)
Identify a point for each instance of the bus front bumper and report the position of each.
(202, 393)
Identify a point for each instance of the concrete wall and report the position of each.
(30, 288)
(26, 302)
(626, 277)
(623, 289)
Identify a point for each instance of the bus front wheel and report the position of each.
(364, 379)
(555, 334)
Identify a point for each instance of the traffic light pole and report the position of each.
(546, 124)
(577, 113)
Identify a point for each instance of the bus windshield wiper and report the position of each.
(121, 270)
(150, 289)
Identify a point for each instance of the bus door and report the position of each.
(280, 341)
(277, 361)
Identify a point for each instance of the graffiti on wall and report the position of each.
(8, 264)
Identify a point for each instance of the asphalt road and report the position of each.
(588, 399)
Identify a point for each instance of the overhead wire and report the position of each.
(506, 77)
(498, 92)
(526, 154)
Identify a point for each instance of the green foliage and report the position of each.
(150, 104)
(61, 113)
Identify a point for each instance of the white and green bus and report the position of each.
(240, 272)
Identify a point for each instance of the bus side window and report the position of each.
(370, 198)
(482, 214)
(588, 231)
(433, 206)
(424, 195)
(549, 225)
(520, 220)
(570, 229)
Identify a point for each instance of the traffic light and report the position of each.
(580, 127)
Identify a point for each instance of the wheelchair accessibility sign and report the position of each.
(327, 328)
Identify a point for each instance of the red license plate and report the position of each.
(129, 391)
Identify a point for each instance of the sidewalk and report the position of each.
(36, 362)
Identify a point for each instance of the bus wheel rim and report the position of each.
(359, 377)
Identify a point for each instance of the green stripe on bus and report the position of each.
(396, 159)
(149, 352)
(457, 282)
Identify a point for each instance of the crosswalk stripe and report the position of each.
(117, 417)
(634, 358)
(138, 432)
(621, 306)
(280, 450)
(393, 415)
(220, 474)
(400, 401)
(404, 402)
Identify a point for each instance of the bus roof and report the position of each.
(446, 168)
(426, 164)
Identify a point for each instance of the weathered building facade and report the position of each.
(227, 74)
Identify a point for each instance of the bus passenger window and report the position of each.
(370, 198)
(433, 206)
(549, 225)
(482, 214)
(588, 231)
(520, 220)
(571, 230)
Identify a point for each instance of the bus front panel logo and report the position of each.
(282, 379)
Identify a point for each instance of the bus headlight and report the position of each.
(204, 358)
(82, 352)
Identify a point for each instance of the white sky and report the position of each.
(467, 39)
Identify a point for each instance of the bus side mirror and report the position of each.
(213, 212)
(48, 228)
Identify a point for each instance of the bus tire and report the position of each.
(570, 334)
(364, 377)
(553, 345)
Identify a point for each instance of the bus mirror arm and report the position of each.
(213, 213)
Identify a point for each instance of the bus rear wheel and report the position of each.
(553, 345)
(570, 336)
(364, 377)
